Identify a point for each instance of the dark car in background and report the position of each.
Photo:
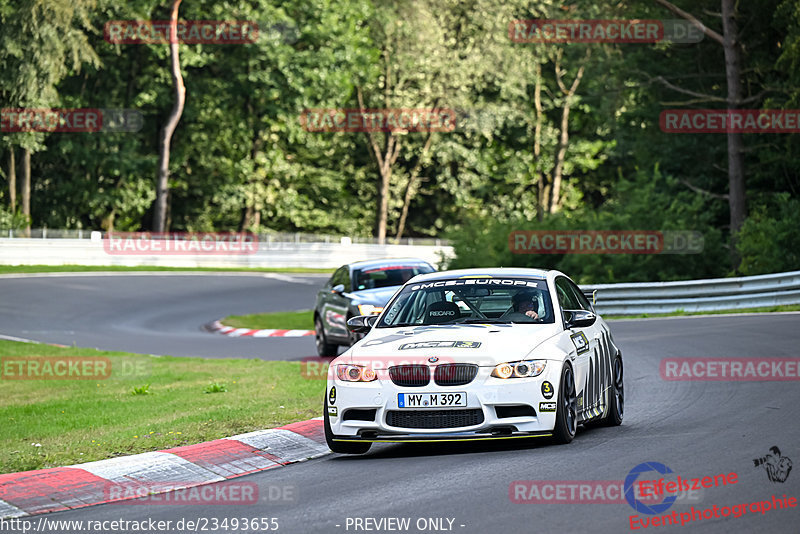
(360, 288)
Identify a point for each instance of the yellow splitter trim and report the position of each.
(438, 440)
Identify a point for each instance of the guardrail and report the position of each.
(696, 295)
(266, 236)
(271, 251)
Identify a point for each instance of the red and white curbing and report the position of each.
(220, 328)
(77, 486)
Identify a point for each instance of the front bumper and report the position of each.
(495, 409)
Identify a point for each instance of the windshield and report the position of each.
(387, 276)
(472, 300)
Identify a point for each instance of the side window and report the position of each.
(583, 302)
(566, 297)
(346, 278)
(341, 276)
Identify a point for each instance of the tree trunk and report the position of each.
(561, 153)
(26, 189)
(383, 201)
(733, 73)
(412, 179)
(541, 197)
(385, 160)
(12, 180)
(162, 186)
(563, 140)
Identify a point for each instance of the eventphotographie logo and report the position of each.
(776, 465)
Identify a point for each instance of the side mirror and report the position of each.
(361, 324)
(578, 318)
(338, 289)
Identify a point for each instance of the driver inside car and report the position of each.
(526, 303)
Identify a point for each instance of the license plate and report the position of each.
(432, 400)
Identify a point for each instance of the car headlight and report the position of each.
(520, 369)
(369, 309)
(355, 373)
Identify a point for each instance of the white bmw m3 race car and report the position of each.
(475, 354)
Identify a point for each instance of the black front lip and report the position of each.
(432, 438)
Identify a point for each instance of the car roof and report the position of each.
(386, 262)
(493, 272)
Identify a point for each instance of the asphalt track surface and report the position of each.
(696, 428)
(155, 313)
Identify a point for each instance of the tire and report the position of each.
(567, 410)
(616, 395)
(351, 336)
(341, 447)
(323, 347)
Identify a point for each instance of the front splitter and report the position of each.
(433, 438)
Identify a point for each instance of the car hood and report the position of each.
(377, 297)
(485, 345)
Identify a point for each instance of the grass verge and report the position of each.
(12, 269)
(181, 401)
(297, 320)
(681, 313)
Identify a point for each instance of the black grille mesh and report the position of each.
(434, 418)
(455, 374)
(413, 376)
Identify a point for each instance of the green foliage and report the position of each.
(141, 390)
(216, 387)
(646, 201)
(12, 221)
(769, 241)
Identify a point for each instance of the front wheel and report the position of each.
(567, 409)
(341, 447)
